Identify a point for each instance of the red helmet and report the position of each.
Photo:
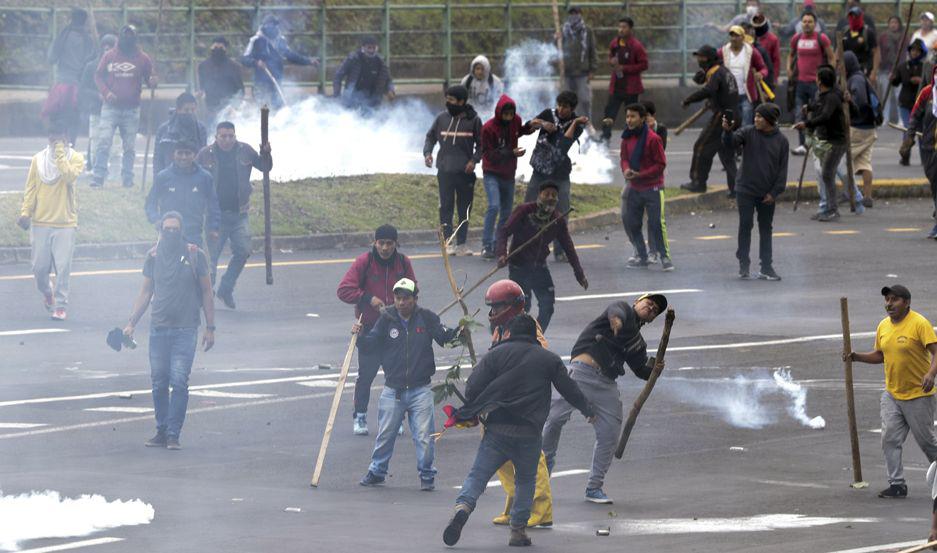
(504, 292)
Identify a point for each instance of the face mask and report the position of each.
(127, 43)
(218, 54)
(751, 11)
(505, 123)
(170, 242)
(454, 109)
(545, 208)
(369, 53)
(270, 31)
(574, 19)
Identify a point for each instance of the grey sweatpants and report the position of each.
(52, 247)
(898, 417)
(602, 393)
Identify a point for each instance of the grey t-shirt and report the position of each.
(177, 297)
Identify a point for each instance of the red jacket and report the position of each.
(653, 161)
(757, 65)
(123, 76)
(370, 277)
(499, 141)
(773, 45)
(632, 57)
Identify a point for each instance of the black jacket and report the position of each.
(407, 350)
(764, 161)
(459, 138)
(179, 128)
(247, 159)
(825, 116)
(511, 386)
(903, 75)
(721, 90)
(612, 352)
(366, 79)
(924, 122)
(71, 50)
(221, 81)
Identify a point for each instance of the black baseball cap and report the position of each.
(659, 299)
(897, 290)
(706, 51)
(574, 9)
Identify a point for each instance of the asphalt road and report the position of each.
(691, 480)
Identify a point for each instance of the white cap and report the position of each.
(932, 479)
(928, 15)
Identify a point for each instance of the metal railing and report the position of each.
(670, 30)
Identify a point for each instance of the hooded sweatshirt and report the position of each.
(825, 116)
(51, 199)
(70, 52)
(123, 75)
(764, 161)
(369, 277)
(499, 141)
(485, 91)
(459, 140)
(860, 91)
(923, 118)
(905, 72)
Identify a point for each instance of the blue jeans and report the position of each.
(823, 205)
(905, 115)
(236, 228)
(803, 94)
(746, 110)
(493, 451)
(500, 192)
(126, 121)
(417, 404)
(172, 351)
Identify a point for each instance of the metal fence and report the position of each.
(432, 42)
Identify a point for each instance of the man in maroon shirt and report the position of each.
(628, 59)
(120, 77)
(770, 42)
(529, 267)
(809, 50)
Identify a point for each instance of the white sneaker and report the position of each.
(799, 151)
(463, 249)
(361, 424)
(450, 250)
(653, 258)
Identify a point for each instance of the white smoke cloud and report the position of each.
(41, 515)
(747, 401)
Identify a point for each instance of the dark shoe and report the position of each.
(519, 538)
(173, 443)
(560, 257)
(730, 194)
(488, 253)
(745, 273)
(666, 265)
(816, 216)
(226, 297)
(895, 491)
(904, 161)
(867, 202)
(159, 440)
(768, 274)
(453, 531)
(427, 485)
(371, 480)
(828, 217)
(693, 187)
(636, 263)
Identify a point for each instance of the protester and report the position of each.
(642, 163)
(499, 164)
(862, 127)
(769, 41)
(795, 26)
(924, 120)
(458, 132)
(50, 213)
(908, 77)
(607, 343)
(183, 126)
(230, 163)
(891, 47)
(529, 267)
(628, 59)
(71, 50)
(559, 129)
(720, 90)
(748, 67)
(653, 123)
(368, 286)
(927, 33)
(177, 283)
(654, 249)
(365, 76)
(809, 49)
(120, 77)
(90, 100)
(219, 79)
(484, 87)
(579, 60)
(187, 189)
(267, 52)
(511, 387)
(765, 152)
(843, 24)
(861, 40)
(752, 8)
(905, 342)
(403, 336)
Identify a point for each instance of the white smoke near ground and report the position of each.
(317, 137)
(43, 515)
(747, 401)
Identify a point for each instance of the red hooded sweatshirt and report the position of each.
(499, 141)
(370, 276)
(653, 161)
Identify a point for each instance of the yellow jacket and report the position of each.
(55, 203)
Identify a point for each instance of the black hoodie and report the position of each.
(459, 137)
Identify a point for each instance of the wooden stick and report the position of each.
(901, 48)
(559, 40)
(497, 268)
(648, 386)
(850, 176)
(336, 399)
(898, 127)
(268, 246)
(692, 119)
(919, 548)
(149, 108)
(800, 181)
(276, 85)
(850, 396)
(456, 292)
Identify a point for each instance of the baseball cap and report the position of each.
(927, 15)
(405, 285)
(706, 51)
(736, 30)
(855, 10)
(898, 291)
(659, 299)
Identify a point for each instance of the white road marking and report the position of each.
(127, 409)
(667, 526)
(794, 484)
(780, 342)
(884, 547)
(557, 474)
(72, 545)
(627, 294)
(312, 315)
(20, 425)
(32, 331)
(232, 395)
(320, 383)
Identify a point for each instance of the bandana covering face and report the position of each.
(48, 171)
(856, 22)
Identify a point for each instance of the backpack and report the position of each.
(876, 104)
(547, 157)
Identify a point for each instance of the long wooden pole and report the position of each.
(648, 386)
(901, 46)
(336, 399)
(850, 176)
(149, 108)
(559, 40)
(850, 396)
(690, 120)
(458, 293)
(268, 246)
(919, 548)
(800, 181)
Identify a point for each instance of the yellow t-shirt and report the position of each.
(906, 357)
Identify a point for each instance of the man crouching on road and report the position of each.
(177, 279)
(510, 388)
(404, 337)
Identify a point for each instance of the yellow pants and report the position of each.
(542, 510)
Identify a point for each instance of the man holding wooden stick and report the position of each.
(924, 121)
(609, 342)
(905, 342)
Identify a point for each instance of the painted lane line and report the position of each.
(840, 232)
(756, 523)
(784, 234)
(557, 474)
(72, 545)
(904, 229)
(714, 237)
(33, 331)
(127, 409)
(780, 342)
(885, 547)
(20, 425)
(627, 294)
(794, 484)
(321, 383)
(231, 395)
(312, 315)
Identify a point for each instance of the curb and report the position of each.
(713, 200)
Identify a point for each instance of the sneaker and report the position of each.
(596, 495)
(453, 531)
(816, 216)
(895, 491)
(799, 151)
(226, 297)
(745, 273)
(636, 263)
(693, 187)
(867, 202)
(173, 443)
(653, 258)
(560, 257)
(488, 253)
(828, 217)
(933, 232)
(519, 538)
(904, 161)
(503, 519)
(666, 265)
(59, 314)
(450, 250)
(361, 424)
(370, 480)
(544, 524)
(768, 274)
(427, 485)
(159, 440)
(463, 249)
(48, 301)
